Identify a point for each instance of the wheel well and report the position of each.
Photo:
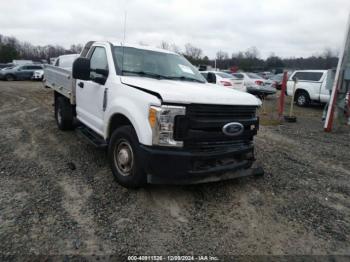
(57, 95)
(10, 74)
(298, 91)
(116, 121)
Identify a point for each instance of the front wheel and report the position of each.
(10, 77)
(123, 156)
(302, 98)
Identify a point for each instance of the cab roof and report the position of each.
(138, 46)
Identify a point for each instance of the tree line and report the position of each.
(249, 60)
(11, 48)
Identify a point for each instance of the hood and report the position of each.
(185, 92)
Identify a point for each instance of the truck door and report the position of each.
(90, 94)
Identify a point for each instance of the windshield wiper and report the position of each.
(185, 78)
(145, 74)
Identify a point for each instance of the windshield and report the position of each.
(254, 76)
(155, 64)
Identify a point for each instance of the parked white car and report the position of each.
(159, 119)
(250, 78)
(38, 75)
(224, 79)
(312, 86)
(266, 75)
(255, 84)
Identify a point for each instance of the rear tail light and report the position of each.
(259, 82)
(226, 83)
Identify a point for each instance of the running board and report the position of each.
(91, 136)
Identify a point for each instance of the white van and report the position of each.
(312, 86)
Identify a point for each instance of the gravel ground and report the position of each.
(57, 194)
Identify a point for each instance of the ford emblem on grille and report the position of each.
(233, 129)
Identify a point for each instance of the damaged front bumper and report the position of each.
(178, 166)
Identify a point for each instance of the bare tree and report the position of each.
(221, 55)
(252, 53)
(329, 52)
(175, 48)
(164, 45)
(193, 52)
(76, 49)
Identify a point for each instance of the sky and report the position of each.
(287, 28)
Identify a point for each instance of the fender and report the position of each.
(136, 113)
(146, 91)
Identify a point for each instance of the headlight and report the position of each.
(162, 121)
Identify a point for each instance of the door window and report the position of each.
(34, 67)
(98, 62)
(308, 76)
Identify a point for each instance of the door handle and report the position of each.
(81, 84)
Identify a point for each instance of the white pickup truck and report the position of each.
(158, 117)
(312, 86)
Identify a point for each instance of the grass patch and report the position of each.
(269, 122)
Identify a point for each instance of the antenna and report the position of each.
(125, 14)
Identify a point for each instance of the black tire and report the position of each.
(127, 171)
(10, 77)
(302, 98)
(64, 113)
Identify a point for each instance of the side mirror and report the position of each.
(99, 75)
(103, 72)
(211, 78)
(81, 68)
(100, 80)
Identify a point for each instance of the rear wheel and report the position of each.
(64, 113)
(10, 77)
(302, 98)
(123, 156)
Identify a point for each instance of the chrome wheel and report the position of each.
(301, 100)
(124, 158)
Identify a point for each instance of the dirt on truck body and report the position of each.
(58, 196)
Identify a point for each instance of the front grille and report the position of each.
(201, 127)
(221, 111)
